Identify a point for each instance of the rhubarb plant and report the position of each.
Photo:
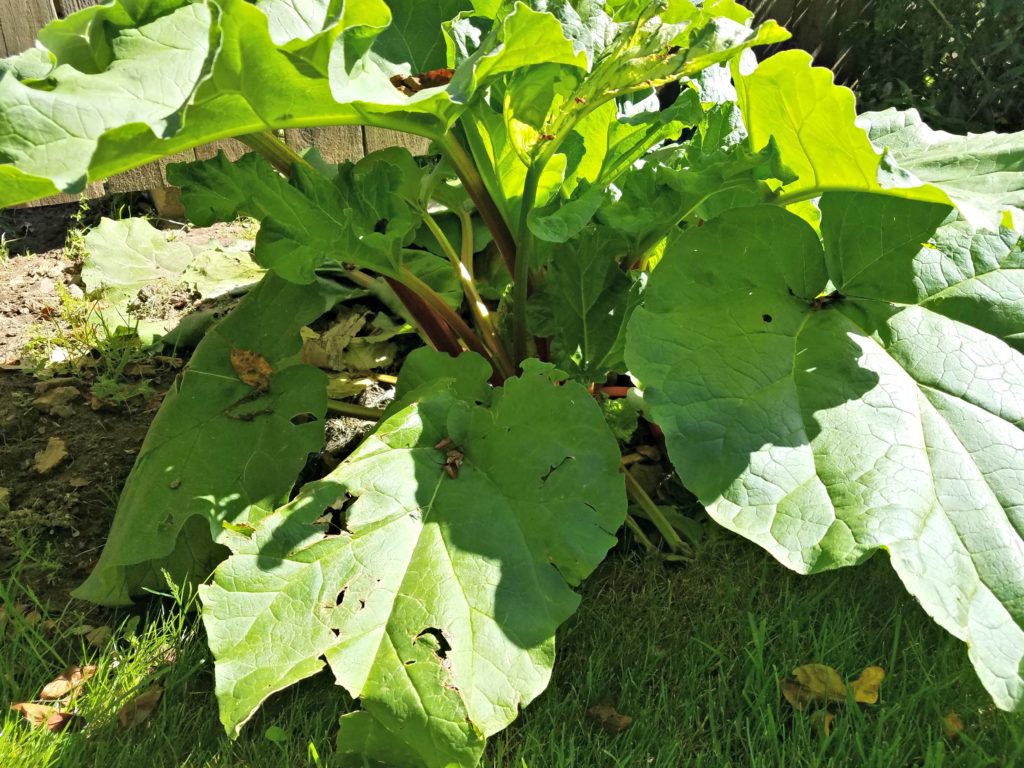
(821, 311)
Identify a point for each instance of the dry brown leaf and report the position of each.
(865, 687)
(60, 721)
(252, 369)
(140, 708)
(952, 726)
(53, 454)
(35, 714)
(68, 680)
(608, 718)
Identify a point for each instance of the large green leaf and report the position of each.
(983, 174)
(123, 257)
(812, 121)
(361, 216)
(138, 80)
(434, 598)
(584, 303)
(218, 449)
(889, 414)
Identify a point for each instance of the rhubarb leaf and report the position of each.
(827, 402)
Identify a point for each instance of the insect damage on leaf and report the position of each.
(252, 369)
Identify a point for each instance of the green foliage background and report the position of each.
(959, 62)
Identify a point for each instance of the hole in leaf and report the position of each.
(551, 470)
(381, 226)
(362, 604)
(766, 317)
(435, 638)
(341, 596)
(303, 418)
(336, 516)
(410, 662)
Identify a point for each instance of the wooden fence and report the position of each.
(813, 22)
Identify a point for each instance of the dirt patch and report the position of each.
(63, 516)
(28, 289)
(65, 453)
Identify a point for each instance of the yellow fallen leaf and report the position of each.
(53, 454)
(813, 682)
(865, 687)
(68, 680)
(140, 708)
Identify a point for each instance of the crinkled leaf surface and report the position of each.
(812, 121)
(983, 174)
(584, 303)
(435, 601)
(888, 418)
(125, 256)
(217, 449)
(361, 216)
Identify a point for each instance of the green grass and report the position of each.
(693, 655)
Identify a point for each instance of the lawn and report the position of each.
(694, 655)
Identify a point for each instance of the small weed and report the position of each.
(78, 338)
(74, 242)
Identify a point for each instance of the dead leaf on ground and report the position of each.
(813, 683)
(822, 684)
(608, 718)
(252, 369)
(61, 721)
(53, 454)
(5, 500)
(952, 726)
(140, 708)
(327, 349)
(865, 687)
(68, 680)
(46, 716)
(57, 401)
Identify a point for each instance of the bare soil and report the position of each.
(53, 524)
